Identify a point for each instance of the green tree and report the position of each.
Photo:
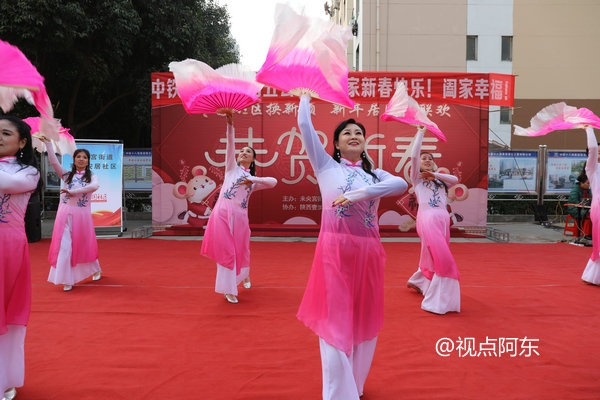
(97, 55)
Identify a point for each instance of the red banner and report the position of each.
(479, 90)
(186, 147)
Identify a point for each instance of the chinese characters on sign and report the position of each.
(137, 169)
(516, 171)
(106, 162)
(512, 171)
(451, 88)
(563, 169)
(184, 141)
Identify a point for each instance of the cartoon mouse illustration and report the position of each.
(165, 206)
(197, 191)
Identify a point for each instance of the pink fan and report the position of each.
(20, 79)
(307, 56)
(558, 116)
(63, 142)
(404, 108)
(204, 90)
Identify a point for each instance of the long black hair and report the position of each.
(87, 175)
(25, 156)
(367, 166)
(252, 167)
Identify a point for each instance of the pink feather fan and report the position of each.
(404, 108)
(62, 140)
(204, 90)
(558, 116)
(20, 79)
(307, 56)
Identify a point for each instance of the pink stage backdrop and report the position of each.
(189, 150)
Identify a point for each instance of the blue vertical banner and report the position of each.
(106, 162)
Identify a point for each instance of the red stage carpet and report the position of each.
(153, 328)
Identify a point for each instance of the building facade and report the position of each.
(551, 48)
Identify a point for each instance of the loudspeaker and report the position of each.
(540, 214)
(33, 219)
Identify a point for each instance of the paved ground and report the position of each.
(530, 232)
(514, 232)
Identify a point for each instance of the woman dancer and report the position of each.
(591, 273)
(73, 252)
(227, 236)
(437, 276)
(19, 177)
(343, 301)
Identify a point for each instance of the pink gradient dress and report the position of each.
(73, 254)
(343, 300)
(16, 185)
(437, 276)
(591, 273)
(227, 237)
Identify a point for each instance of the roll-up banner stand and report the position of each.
(106, 161)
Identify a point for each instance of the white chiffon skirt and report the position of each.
(227, 281)
(63, 273)
(591, 273)
(442, 296)
(420, 281)
(12, 358)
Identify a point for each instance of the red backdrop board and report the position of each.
(457, 103)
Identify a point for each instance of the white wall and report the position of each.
(489, 20)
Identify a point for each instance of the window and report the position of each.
(472, 48)
(505, 115)
(507, 42)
